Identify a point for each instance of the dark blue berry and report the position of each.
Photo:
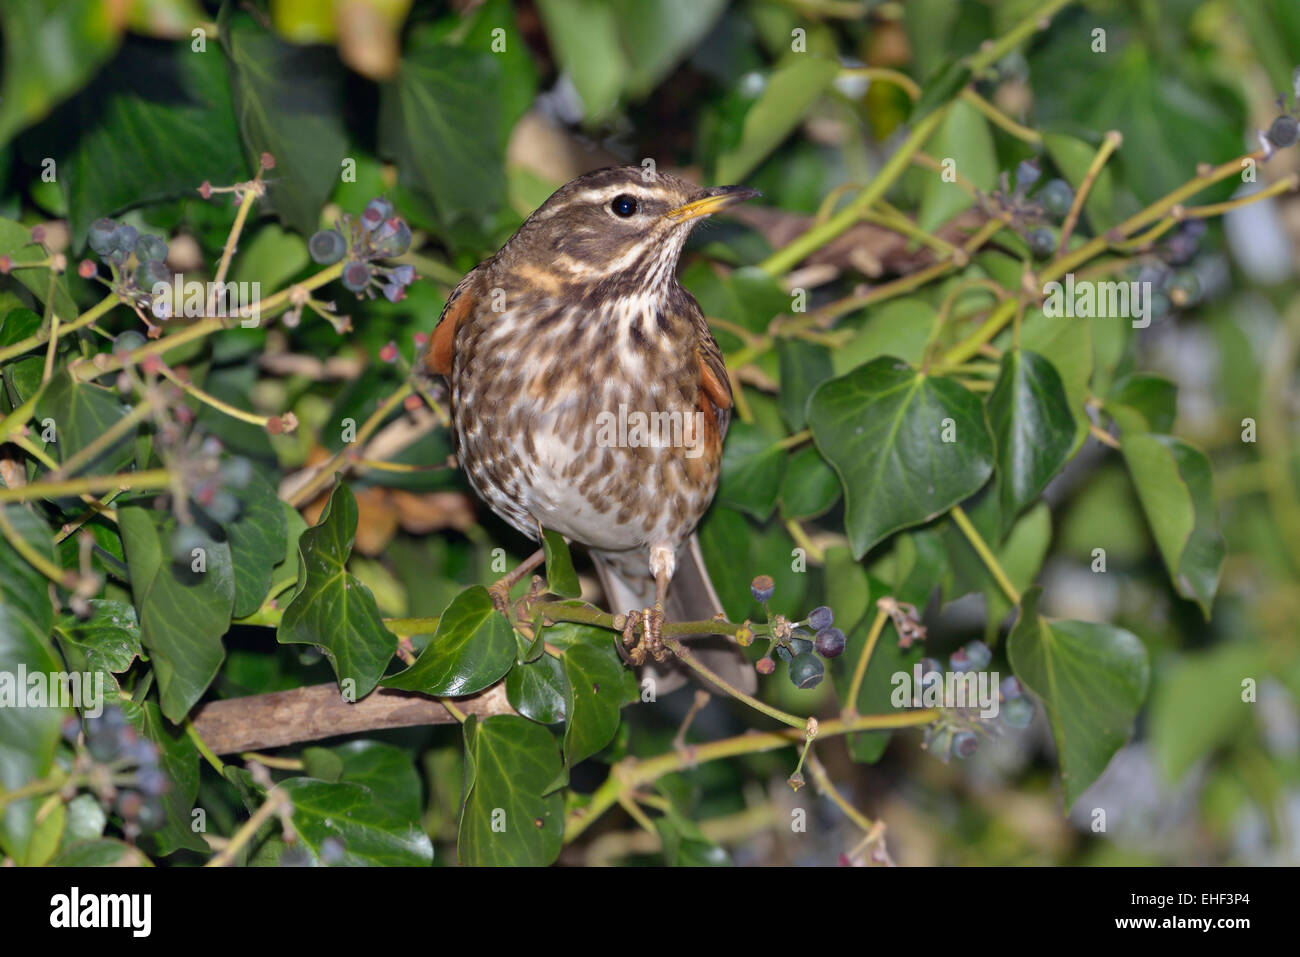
(1056, 197)
(807, 671)
(979, 655)
(403, 275)
(151, 273)
(327, 246)
(1283, 131)
(376, 211)
(1041, 242)
(101, 236)
(820, 617)
(830, 642)
(124, 238)
(237, 472)
(761, 588)
(1027, 173)
(356, 276)
(1018, 712)
(127, 341)
(148, 247)
(1010, 687)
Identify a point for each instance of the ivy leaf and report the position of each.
(332, 608)
(512, 814)
(561, 579)
(963, 137)
(258, 539)
(804, 366)
(883, 428)
(157, 122)
(179, 760)
(1033, 429)
(81, 412)
(1091, 678)
(593, 694)
(790, 93)
(183, 613)
(810, 486)
(472, 648)
(539, 690)
(387, 771)
(28, 736)
(363, 828)
(1152, 397)
(288, 99)
(752, 466)
(1176, 489)
(108, 639)
(16, 243)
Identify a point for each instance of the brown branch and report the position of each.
(283, 718)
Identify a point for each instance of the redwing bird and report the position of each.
(589, 396)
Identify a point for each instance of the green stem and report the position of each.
(985, 553)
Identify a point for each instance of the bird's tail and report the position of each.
(628, 585)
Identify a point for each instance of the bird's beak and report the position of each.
(710, 201)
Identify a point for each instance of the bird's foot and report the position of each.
(500, 594)
(649, 643)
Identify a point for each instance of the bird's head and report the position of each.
(622, 225)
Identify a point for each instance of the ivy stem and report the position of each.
(274, 799)
(860, 670)
(985, 553)
(252, 418)
(687, 658)
(1109, 144)
(147, 479)
(632, 773)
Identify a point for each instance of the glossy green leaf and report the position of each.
(1091, 677)
(472, 648)
(883, 428)
(28, 735)
(349, 825)
(1033, 429)
(1153, 397)
(288, 98)
(810, 486)
(752, 468)
(561, 579)
(331, 608)
(538, 690)
(183, 612)
(1176, 488)
(593, 695)
(258, 538)
(156, 124)
(804, 366)
(512, 814)
(109, 638)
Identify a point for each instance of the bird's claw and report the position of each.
(650, 642)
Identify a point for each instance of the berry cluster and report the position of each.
(1052, 201)
(121, 768)
(957, 732)
(378, 234)
(120, 245)
(1284, 130)
(802, 644)
(210, 480)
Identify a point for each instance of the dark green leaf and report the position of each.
(810, 486)
(964, 138)
(363, 829)
(593, 693)
(538, 690)
(804, 366)
(257, 543)
(183, 612)
(80, 413)
(511, 813)
(472, 648)
(561, 579)
(1033, 429)
(179, 760)
(288, 99)
(28, 735)
(752, 467)
(332, 608)
(883, 427)
(1092, 679)
(109, 638)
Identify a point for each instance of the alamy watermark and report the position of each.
(947, 689)
(193, 299)
(83, 690)
(1087, 299)
(657, 430)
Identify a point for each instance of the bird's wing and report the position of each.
(442, 345)
(715, 384)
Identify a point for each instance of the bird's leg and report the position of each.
(663, 562)
(500, 589)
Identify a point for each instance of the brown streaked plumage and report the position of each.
(557, 347)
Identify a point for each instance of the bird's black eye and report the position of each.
(624, 205)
